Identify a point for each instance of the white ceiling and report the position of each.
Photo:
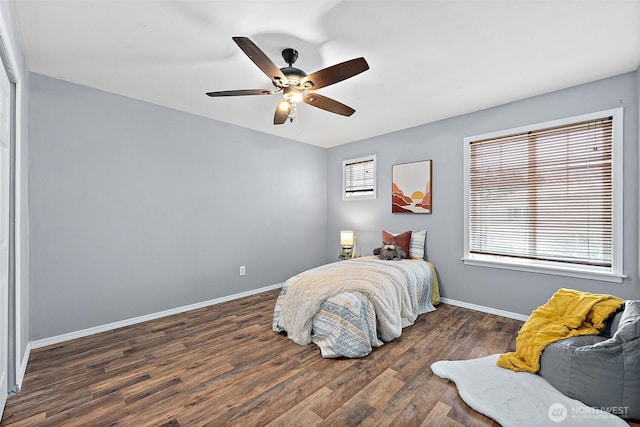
(428, 60)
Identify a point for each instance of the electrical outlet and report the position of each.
(243, 271)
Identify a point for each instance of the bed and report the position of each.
(349, 307)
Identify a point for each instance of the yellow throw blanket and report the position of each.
(568, 313)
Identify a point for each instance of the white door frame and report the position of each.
(7, 359)
(15, 368)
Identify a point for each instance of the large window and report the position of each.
(359, 178)
(547, 197)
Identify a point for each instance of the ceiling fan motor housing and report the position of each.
(290, 56)
(294, 75)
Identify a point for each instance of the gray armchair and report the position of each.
(601, 371)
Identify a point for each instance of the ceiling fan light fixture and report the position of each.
(296, 97)
(292, 94)
(284, 105)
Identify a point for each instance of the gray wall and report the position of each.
(137, 208)
(518, 292)
(21, 76)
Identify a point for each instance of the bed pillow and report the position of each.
(403, 240)
(418, 245)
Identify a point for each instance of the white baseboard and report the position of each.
(484, 309)
(128, 322)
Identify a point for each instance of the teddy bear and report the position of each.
(390, 251)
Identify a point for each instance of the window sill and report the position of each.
(545, 269)
(369, 197)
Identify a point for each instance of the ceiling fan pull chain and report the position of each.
(292, 112)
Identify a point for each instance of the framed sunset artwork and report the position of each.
(411, 187)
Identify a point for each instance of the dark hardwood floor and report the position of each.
(222, 365)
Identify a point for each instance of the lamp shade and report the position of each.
(346, 238)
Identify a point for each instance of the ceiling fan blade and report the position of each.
(336, 73)
(242, 92)
(327, 104)
(281, 115)
(260, 59)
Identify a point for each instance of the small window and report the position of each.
(359, 178)
(547, 197)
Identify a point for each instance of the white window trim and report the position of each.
(375, 178)
(613, 274)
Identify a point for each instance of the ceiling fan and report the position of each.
(295, 84)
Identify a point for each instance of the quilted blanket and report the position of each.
(348, 307)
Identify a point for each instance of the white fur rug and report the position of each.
(517, 398)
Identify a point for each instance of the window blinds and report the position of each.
(544, 195)
(359, 178)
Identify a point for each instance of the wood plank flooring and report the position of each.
(222, 365)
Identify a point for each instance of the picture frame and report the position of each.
(411, 190)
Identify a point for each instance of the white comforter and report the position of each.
(396, 290)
